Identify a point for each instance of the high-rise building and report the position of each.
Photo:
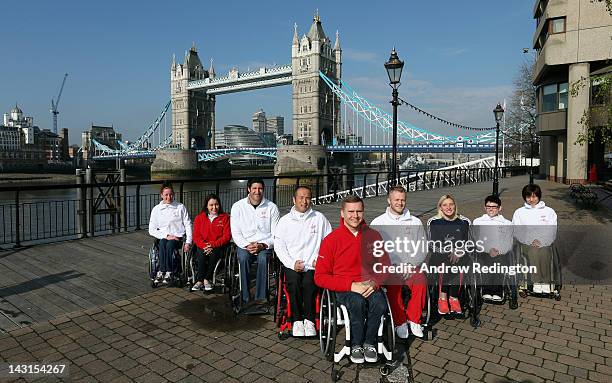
(259, 121)
(572, 41)
(263, 124)
(276, 125)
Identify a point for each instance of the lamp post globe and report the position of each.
(394, 70)
(498, 112)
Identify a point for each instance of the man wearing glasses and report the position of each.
(496, 234)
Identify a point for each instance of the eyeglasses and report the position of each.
(491, 206)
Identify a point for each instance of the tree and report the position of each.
(608, 4)
(521, 138)
(596, 122)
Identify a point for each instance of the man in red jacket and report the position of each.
(346, 266)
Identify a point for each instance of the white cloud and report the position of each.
(454, 51)
(361, 56)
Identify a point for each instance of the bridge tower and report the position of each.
(316, 112)
(193, 122)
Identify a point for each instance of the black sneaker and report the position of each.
(370, 354)
(357, 355)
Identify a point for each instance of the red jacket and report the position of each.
(345, 258)
(216, 233)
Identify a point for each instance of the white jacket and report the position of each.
(298, 237)
(170, 219)
(403, 227)
(531, 223)
(494, 232)
(250, 224)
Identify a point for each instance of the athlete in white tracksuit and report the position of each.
(535, 228)
(296, 241)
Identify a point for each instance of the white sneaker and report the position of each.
(487, 297)
(309, 328)
(298, 328)
(198, 286)
(207, 286)
(167, 278)
(496, 298)
(416, 329)
(545, 288)
(402, 331)
(159, 277)
(537, 288)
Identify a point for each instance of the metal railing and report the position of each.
(48, 219)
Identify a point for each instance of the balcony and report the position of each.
(551, 123)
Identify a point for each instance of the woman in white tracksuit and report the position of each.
(170, 224)
(535, 228)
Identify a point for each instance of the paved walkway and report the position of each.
(87, 304)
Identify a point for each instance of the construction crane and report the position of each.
(54, 104)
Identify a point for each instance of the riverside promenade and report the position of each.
(88, 304)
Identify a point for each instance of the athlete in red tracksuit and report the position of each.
(211, 234)
(346, 266)
(397, 223)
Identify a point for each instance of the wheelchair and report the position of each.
(469, 298)
(524, 283)
(282, 306)
(426, 314)
(334, 317)
(235, 283)
(509, 284)
(220, 280)
(179, 274)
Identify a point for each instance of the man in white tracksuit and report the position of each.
(496, 234)
(397, 223)
(297, 240)
(253, 222)
(535, 227)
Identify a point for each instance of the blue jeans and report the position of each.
(166, 255)
(245, 259)
(364, 314)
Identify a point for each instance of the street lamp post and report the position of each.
(394, 69)
(531, 138)
(499, 114)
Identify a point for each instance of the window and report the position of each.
(563, 96)
(549, 98)
(557, 25)
(554, 97)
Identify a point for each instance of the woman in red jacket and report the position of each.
(211, 234)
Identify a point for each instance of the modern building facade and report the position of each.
(572, 41)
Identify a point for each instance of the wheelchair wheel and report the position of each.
(327, 320)
(235, 290)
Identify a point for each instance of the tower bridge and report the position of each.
(328, 115)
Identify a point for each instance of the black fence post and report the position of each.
(17, 221)
(377, 174)
(317, 190)
(138, 207)
(365, 181)
(274, 182)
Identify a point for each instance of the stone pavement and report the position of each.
(172, 335)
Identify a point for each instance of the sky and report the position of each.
(460, 57)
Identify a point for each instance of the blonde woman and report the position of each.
(448, 231)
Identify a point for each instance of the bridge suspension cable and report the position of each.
(383, 120)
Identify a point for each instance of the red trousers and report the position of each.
(418, 287)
